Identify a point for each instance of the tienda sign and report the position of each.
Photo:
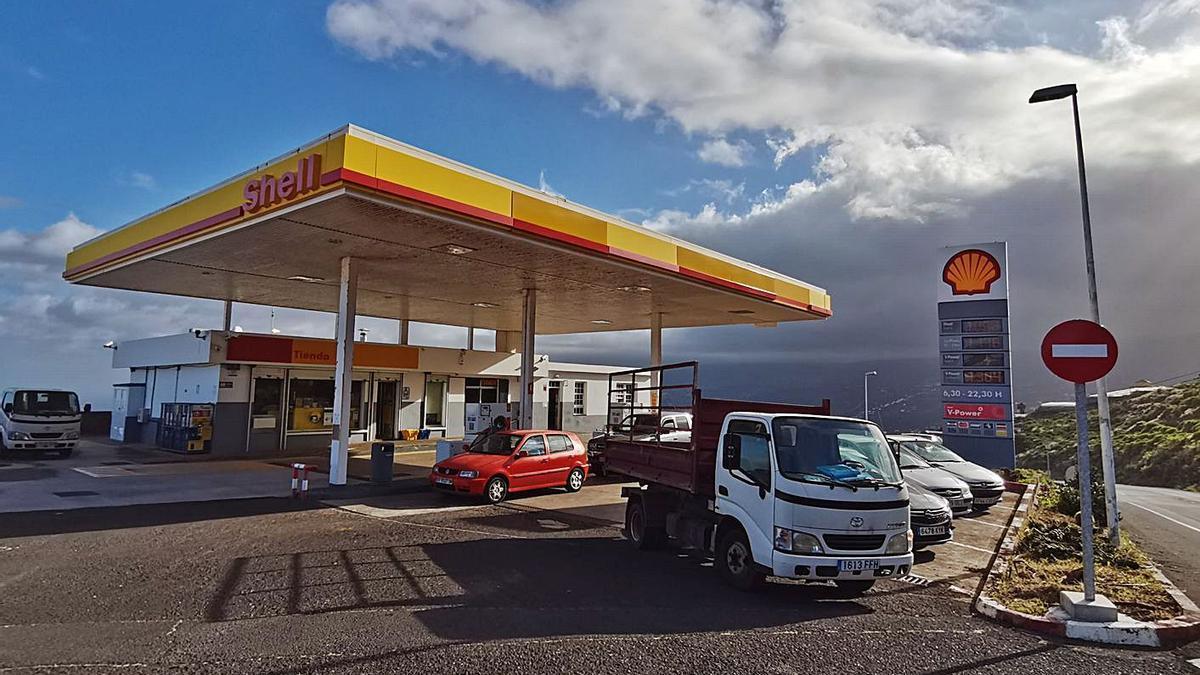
(313, 352)
(267, 190)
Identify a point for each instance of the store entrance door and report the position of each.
(385, 410)
(266, 419)
(554, 414)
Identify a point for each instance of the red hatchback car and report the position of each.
(514, 461)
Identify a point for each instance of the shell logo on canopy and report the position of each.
(971, 272)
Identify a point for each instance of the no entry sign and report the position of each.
(1079, 351)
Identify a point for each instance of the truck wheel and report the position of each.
(575, 480)
(643, 536)
(496, 490)
(852, 589)
(735, 561)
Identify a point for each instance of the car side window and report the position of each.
(669, 423)
(684, 424)
(559, 443)
(534, 446)
(755, 449)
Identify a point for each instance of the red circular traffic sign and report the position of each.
(1079, 351)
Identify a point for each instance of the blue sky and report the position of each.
(114, 113)
(880, 130)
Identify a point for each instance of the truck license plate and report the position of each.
(856, 565)
(444, 481)
(932, 531)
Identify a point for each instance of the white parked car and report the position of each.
(987, 487)
(924, 475)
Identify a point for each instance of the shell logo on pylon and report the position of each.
(971, 272)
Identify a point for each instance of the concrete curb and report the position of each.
(1125, 631)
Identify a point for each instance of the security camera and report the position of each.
(199, 333)
(110, 345)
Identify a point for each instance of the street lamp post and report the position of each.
(867, 394)
(1107, 462)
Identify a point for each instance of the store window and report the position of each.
(310, 405)
(486, 390)
(578, 403)
(435, 401)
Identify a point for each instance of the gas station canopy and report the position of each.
(436, 241)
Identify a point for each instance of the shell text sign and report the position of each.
(971, 272)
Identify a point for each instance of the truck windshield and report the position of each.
(497, 444)
(836, 451)
(46, 403)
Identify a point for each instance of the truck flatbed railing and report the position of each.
(675, 457)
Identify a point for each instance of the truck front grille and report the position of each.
(853, 542)
(45, 435)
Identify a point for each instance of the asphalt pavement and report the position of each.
(285, 586)
(1166, 523)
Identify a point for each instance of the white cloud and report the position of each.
(911, 107)
(721, 151)
(140, 179)
(545, 186)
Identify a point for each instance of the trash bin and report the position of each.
(382, 455)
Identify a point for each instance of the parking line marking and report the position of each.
(1165, 517)
(973, 548)
(981, 522)
(1195, 663)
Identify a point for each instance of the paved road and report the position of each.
(1167, 524)
(106, 474)
(273, 585)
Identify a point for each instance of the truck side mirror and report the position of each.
(731, 457)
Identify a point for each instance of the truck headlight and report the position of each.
(468, 473)
(71, 435)
(18, 436)
(899, 543)
(790, 541)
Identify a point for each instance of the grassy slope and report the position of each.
(1156, 435)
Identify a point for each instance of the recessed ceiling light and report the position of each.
(305, 278)
(633, 289)
(485, 305)
(741, 311)
(333, 241)
(453, 249)
(206, 273)
(602, 322)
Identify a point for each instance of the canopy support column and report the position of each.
(655, 355)
(403, 331)
(528, 323)
(339, 450)
(470, 338)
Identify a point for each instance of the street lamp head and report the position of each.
(871, 372)
(1053, 93)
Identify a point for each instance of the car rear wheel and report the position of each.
(575, 480)
(496, 490)
(735, 562)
